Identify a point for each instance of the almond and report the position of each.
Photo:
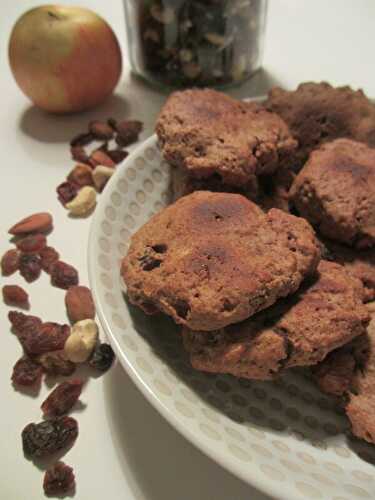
(36, 223)
(81, 175)
(99, 157)
(79, 303)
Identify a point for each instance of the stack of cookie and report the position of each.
(255, 289)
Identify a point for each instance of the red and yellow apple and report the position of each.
(65, 59)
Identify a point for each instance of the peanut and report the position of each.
(81, 341)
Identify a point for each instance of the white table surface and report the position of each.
(125, 449)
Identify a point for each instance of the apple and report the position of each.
(65, 59)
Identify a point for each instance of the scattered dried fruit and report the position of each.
(82, 139)
(101, 176)
(45, 438)
(102, 357)
(48, 257)
(9, 262)
(24, 323)
(33, 243)
(66, 192)
(62, 398)
(100, 157)
(30, 266)
(26, 372)
(81, 341)
(63, 275)
(117, 155)
(83, 203)
(79, 154)
(79, 303)
(128, 132)
(59, 480)
(101, 130)
(55, 363)
(36, 223)
(14, 295)
(81, 175)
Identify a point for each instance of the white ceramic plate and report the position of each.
(284, 438)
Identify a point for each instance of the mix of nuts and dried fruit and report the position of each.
(92, 172)
(51, 348)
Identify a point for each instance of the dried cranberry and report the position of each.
(45, 438)
(82, 139)
(30, 266)
(26, 372)
(101, 130)
(48, 257)
(63, 275)
(62, 398)
(24, 323)
(14, 295)
(66, 192)
(59, 480)
(128, 132)
(117, 155)
(79, 154)
(33, 243)
(55, 363)
(102, 357)
(9, 262)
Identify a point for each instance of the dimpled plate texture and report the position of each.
(283, 437)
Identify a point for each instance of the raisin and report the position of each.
(33, 243)
(63, 275)
(10, 262)
(82, 139)
(117, 155)
(62, 398)
(48, 257)
(102, 357)
(59, 480)
(26, 372)
(45, 438)
(14, 295)
(30, 266)
(128, 132)
(55, 363)
(79, 154)
(101, 130)
(66, 192)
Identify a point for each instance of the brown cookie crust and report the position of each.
(335, 192)
(207, 132)
(212, 259)
(296, 331)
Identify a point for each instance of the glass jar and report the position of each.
(185, 43)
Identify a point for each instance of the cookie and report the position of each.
(206, 132)
(212, 259)
(335, 192)
(349, 372)
(317, 113)
(359, 263)
(325, 313)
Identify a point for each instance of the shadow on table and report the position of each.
(157, 462)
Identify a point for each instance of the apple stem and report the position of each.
(52, 14)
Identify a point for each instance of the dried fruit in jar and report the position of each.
(56, 363)
(45, 438)
(48, 257)
(27, 372)
(81, 175)
(79, 303)
(128, 132)
(62, 398)
(30, 266)
(63, 275)
(102, 357)
(10, 262)
(59, 480)
(14, 295)
(66, 192)
(33, 243)
(101, 130)
(36, 223)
